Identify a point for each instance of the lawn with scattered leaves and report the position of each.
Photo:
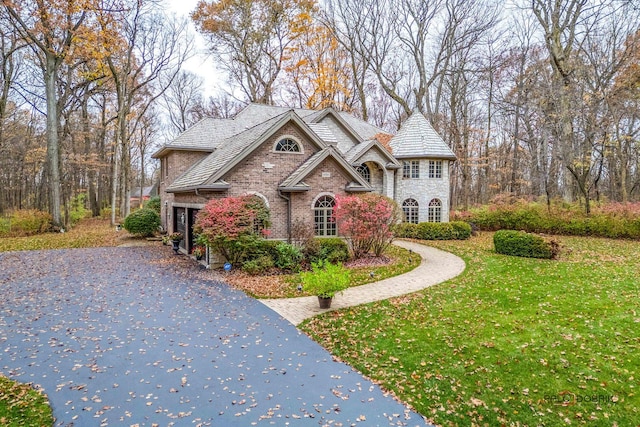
(88, 233)
(396, 260)
(21, 405)
(511, 341)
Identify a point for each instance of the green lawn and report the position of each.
(512, 341)
(21, 405)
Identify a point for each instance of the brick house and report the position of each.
(297, 161)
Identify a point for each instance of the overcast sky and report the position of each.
(200, 63)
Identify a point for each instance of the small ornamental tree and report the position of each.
(366, 222)
(232, 225)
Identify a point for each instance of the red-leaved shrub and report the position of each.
(366, 222)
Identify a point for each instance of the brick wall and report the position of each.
(172, 166)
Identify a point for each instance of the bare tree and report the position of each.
(148, 52)
(249, 39)
(181, 100)
(578, 36)
(50, 30)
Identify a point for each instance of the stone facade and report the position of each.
(425, 189)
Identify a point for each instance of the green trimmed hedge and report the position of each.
(455, 230)
(523, 244)
(143, 222)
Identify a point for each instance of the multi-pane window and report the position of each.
(287, 145)
(435, 168)
(323, 222)
(411, 169)
(364, 171)
(410, 210)
(435, 211)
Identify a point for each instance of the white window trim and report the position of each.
(261, 196)
(291, 137)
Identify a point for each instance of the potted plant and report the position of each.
(198, 252)
(325, 280)
(175, 240)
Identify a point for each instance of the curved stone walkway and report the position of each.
(436, 267)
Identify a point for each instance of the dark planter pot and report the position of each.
(176, 245)
(198, 257)
(325, 302)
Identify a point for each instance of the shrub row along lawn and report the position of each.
(512, 341)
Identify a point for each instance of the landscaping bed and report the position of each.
(395, 261)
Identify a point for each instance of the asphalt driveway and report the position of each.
(120, 336)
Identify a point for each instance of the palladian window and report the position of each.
(288, 145)
(435, 211)
(410, 210)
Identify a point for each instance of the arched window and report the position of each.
(364, 171)
(435, 211)
(258, 203)
(323, 222)
(288, 145)
(410, 209)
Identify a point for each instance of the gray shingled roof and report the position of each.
(362, 128)
(324, 132)
(206, 134)
(206, 171)
(417, 138)
(230, 140)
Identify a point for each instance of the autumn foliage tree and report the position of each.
(230, 225)
(366, 222)
(249, 39)
(318, 68)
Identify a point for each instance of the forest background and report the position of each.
(539, 99)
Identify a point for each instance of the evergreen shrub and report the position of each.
(288, 257)
(523, 244)
(154, 204)
(456, 230)
(143, 222)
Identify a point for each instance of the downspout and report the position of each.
(395, 186)
(288, 199)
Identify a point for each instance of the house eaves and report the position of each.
(163, 151)
(218, 186)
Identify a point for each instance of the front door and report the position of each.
(180, 224)
(192, 221)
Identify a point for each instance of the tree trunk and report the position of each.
(53, 155)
